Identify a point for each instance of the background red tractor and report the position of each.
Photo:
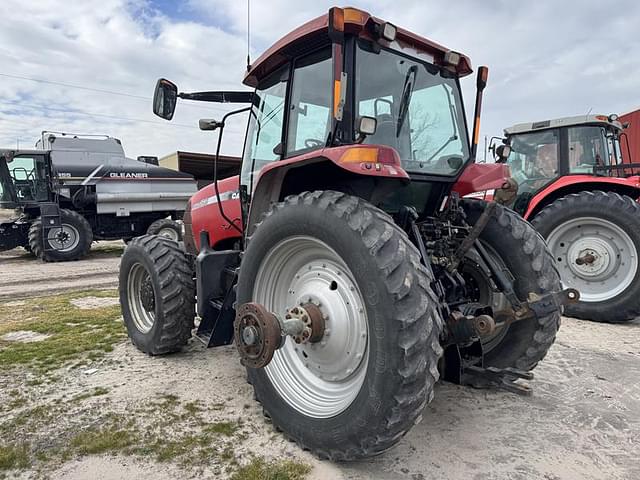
(342, 260)
(579, 194)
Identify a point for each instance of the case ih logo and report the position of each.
(128, 175)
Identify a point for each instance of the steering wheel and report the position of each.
(313, 143)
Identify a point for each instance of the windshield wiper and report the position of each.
(454, 124)
(409, 82)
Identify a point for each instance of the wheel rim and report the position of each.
(320, 379)
(141, 298)
(169, 233)
(478, 282)
(594, 256)
(63, 239)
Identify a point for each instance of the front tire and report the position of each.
(157, 294)
(70, 242)
(517, 247)
(594, 237)
(359, 392)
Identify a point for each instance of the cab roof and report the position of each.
(315, 34)
(602, 120)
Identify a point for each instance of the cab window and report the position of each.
(534, 159)
(309, 110)
(29, 177)
(264, 133)
(588, 148)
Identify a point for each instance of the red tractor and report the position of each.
(342, 261)
(576, 191)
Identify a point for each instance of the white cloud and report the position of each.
(547, 59)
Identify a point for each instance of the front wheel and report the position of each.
(71, 241)
(358, 390)
(594, 237)
(157, 294)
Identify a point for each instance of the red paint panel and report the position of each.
(576, 179)
(633, 135)
(205, 211)
(479, 177)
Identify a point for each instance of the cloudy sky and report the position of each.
(90, 66)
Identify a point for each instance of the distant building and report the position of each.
(200, 165)
(633, 135)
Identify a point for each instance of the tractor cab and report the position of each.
(24, 177)
(540, 153)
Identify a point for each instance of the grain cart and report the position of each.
(74, 189)
(575, 189)
(343, 260)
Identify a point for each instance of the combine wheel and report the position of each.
(516, 247)
(594, 237)
(157, 294)
(70, 242)
(362, 384)
(165, 227)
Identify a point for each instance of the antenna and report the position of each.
(248, 35)
(586, 117)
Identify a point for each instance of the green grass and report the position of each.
(14, 457)
(102, 440)
(75, 334)
(260, 469)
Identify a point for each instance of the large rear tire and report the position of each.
(70, 242)
(157, 294)
(359, 390)
(516, 246)
(594, 237)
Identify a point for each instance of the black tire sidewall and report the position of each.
(163, 223)
(85, 238)
(380, 380)
(133, 255)
(518, 339)
(598, 205)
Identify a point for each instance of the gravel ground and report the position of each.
(24, 276)
(582, 421)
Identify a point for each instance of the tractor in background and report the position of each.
(574, 187)
(343, 261)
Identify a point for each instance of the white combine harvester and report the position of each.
(56, 199)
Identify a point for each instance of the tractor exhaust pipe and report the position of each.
(481, 83)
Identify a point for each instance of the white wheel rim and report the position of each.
(169, 233)
(320, 379)
(63, 239)
(615, 257)
(138, 284)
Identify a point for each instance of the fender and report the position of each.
(480, 177)
(369, 160)
(588, 181)
(205, 212)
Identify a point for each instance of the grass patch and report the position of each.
(14, 457)
(102, 440)
(75, 334)
(260, 469)
(97, 391)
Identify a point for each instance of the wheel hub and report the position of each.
(147, 298)
(318, 378)
(595, 256)
(258, 334)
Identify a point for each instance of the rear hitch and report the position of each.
(259, 333)
(538, 306)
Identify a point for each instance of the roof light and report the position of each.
(452, 58)
(613, 117)
(388, 32)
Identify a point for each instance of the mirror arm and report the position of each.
(218, 96)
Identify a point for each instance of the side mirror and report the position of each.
(165, 98)
(209, 124)
(367, 125)
(502, 152)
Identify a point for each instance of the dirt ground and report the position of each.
(23, 276)
(582, 421)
